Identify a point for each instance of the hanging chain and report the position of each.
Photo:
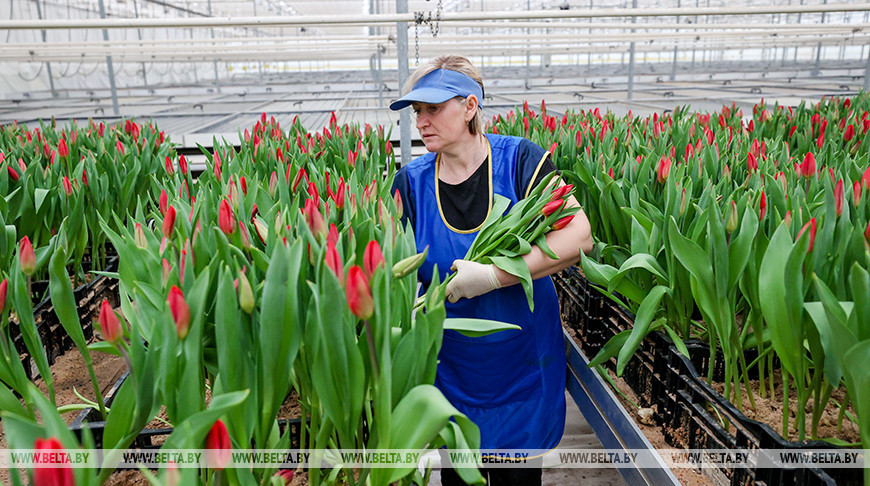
(434, 28)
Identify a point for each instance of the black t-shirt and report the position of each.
(465, 205)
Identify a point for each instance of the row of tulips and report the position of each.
(742, 221)
(73, 174)
(284, 267)
(56, 184)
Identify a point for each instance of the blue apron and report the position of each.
(511, 383)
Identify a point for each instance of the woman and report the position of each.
(511, 383)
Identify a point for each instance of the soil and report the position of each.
(653, 433)
(769, 411)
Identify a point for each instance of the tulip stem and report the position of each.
(372, 353)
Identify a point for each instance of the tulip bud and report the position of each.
(246, 294)
(332, 237)
(314, 194)
(372, 258)
(273, 184)
(169, 222)
(867, 232)
(4, 286)
(552, 206)
(67, 187)
(339, 197)
(358, 293)
(315, 220)
(683, 202)
(286, 476)
(811, 224)
(26, 256)
(663, 169)
(167, 164)
(808, 166)
(163, 202)
(300, 174)
(180, 310)
(167, 268)
(58, 475)
(731, 219)
(410, 264)
(62, 148)
(762, 206)
(245, 236)
(218, 446)
(110, 326)
(139, 236)
(838, 197)
(389, 148)
(561, 191)
(233, 194)
(787, 218)
(333, 261)
(244, 184)
(561, 223)
(397, 201)
(12, 174)
(261, 229)
(226, 219)
(172, 477)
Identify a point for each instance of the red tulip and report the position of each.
(560, 192)
(167, 268)
(169, 222)
(751, 162)
(244, 183)
(245, 235)
(867, 232)
(333, 261)
(808, 166)
(856, 192)
(12, 174)
(52, 476)
(218, 445)
(562, 223)
(182, 164)
(314, 194)
(62, 148)
(762, 206)
(358, 293)
(339, 196)
(811, 224)
(389, 148)
(167, 164)
(26, 256)
(226, 219)
(300, 174)
(849, 132)
(552, 206)
(865, 179)
(180, 310)
(372, 258)
(67, 187)
(663, 168)
(332, 237)
(110, 326)
(164, 202)
(838, 197)
(315, 220)
(4, 285)
(286, 475)
(273, 183)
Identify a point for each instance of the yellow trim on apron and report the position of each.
(535, 175)
(438, 193)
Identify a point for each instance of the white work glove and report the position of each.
(472, 279)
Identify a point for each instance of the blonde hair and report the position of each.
(454, 63)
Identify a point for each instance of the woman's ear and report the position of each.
(472, 104)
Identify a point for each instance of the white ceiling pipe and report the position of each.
(641, 26)
(303, 55)
(446, 17)
(374, 41)
(66, 54)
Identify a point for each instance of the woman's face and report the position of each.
(443, 124)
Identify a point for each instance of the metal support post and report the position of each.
(631, 56)
(867, 74)
(528, 53)
(47, 64)
(674, 67)
(817, 70)
(402, 52)
(216, 78)
(139, 32)
(109, 65)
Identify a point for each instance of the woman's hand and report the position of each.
(472, 279)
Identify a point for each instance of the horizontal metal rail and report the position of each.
(446, 17)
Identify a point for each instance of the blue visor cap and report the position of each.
(439, 86)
